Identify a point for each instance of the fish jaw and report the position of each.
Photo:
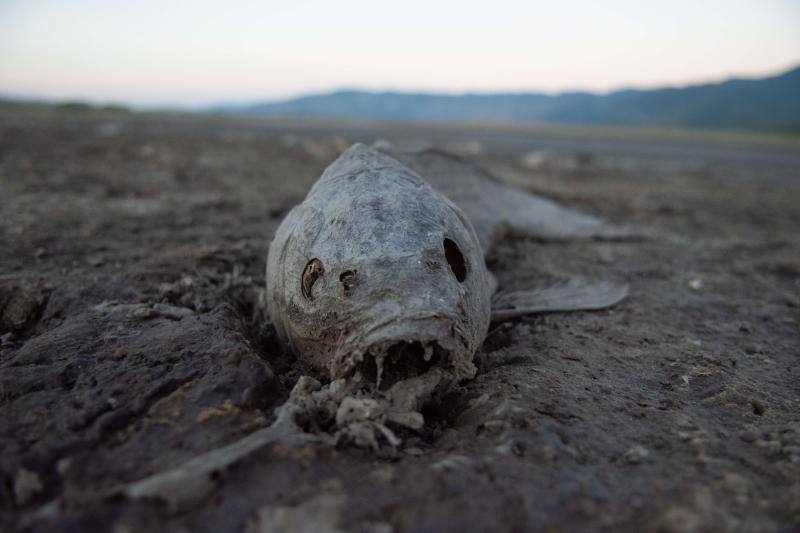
(406, 348)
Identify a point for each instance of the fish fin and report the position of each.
(572, 295)
(495, 209)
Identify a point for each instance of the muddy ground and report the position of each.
(132, 253)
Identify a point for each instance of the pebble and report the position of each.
(748, 436)
(27, 485)
(549, 454)
(452, 463)
(636, 455)
(63, 465)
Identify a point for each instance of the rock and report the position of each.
(549, 454)
(27, 485)
(452, 463)
(636, 455)
(63, 465)
(749, 435)
(172, 312)
(320, 514)
(20, 306)
(701, 511)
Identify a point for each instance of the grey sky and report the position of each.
(201, 51)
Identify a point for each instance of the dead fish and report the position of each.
(377, 272)
(378, 279)
(380, 270)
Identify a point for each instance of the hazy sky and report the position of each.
(161, 51)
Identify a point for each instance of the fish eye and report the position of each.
(455, 259)
(311, 273)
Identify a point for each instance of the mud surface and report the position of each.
(132, 252)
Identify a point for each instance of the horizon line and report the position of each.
(32, 98)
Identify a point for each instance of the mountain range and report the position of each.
(768, 104)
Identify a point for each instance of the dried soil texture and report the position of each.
(133, 337)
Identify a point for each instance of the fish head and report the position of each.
(378, 274)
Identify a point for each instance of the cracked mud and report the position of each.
(134, 340)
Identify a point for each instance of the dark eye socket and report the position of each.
(455, 259)
(311, 273)
(348, 279)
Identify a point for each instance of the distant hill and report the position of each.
(770, 104)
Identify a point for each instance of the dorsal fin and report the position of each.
(495, 208)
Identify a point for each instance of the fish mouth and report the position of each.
(401, 350)
(389, 362)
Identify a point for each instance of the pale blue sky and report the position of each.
(149, 51)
